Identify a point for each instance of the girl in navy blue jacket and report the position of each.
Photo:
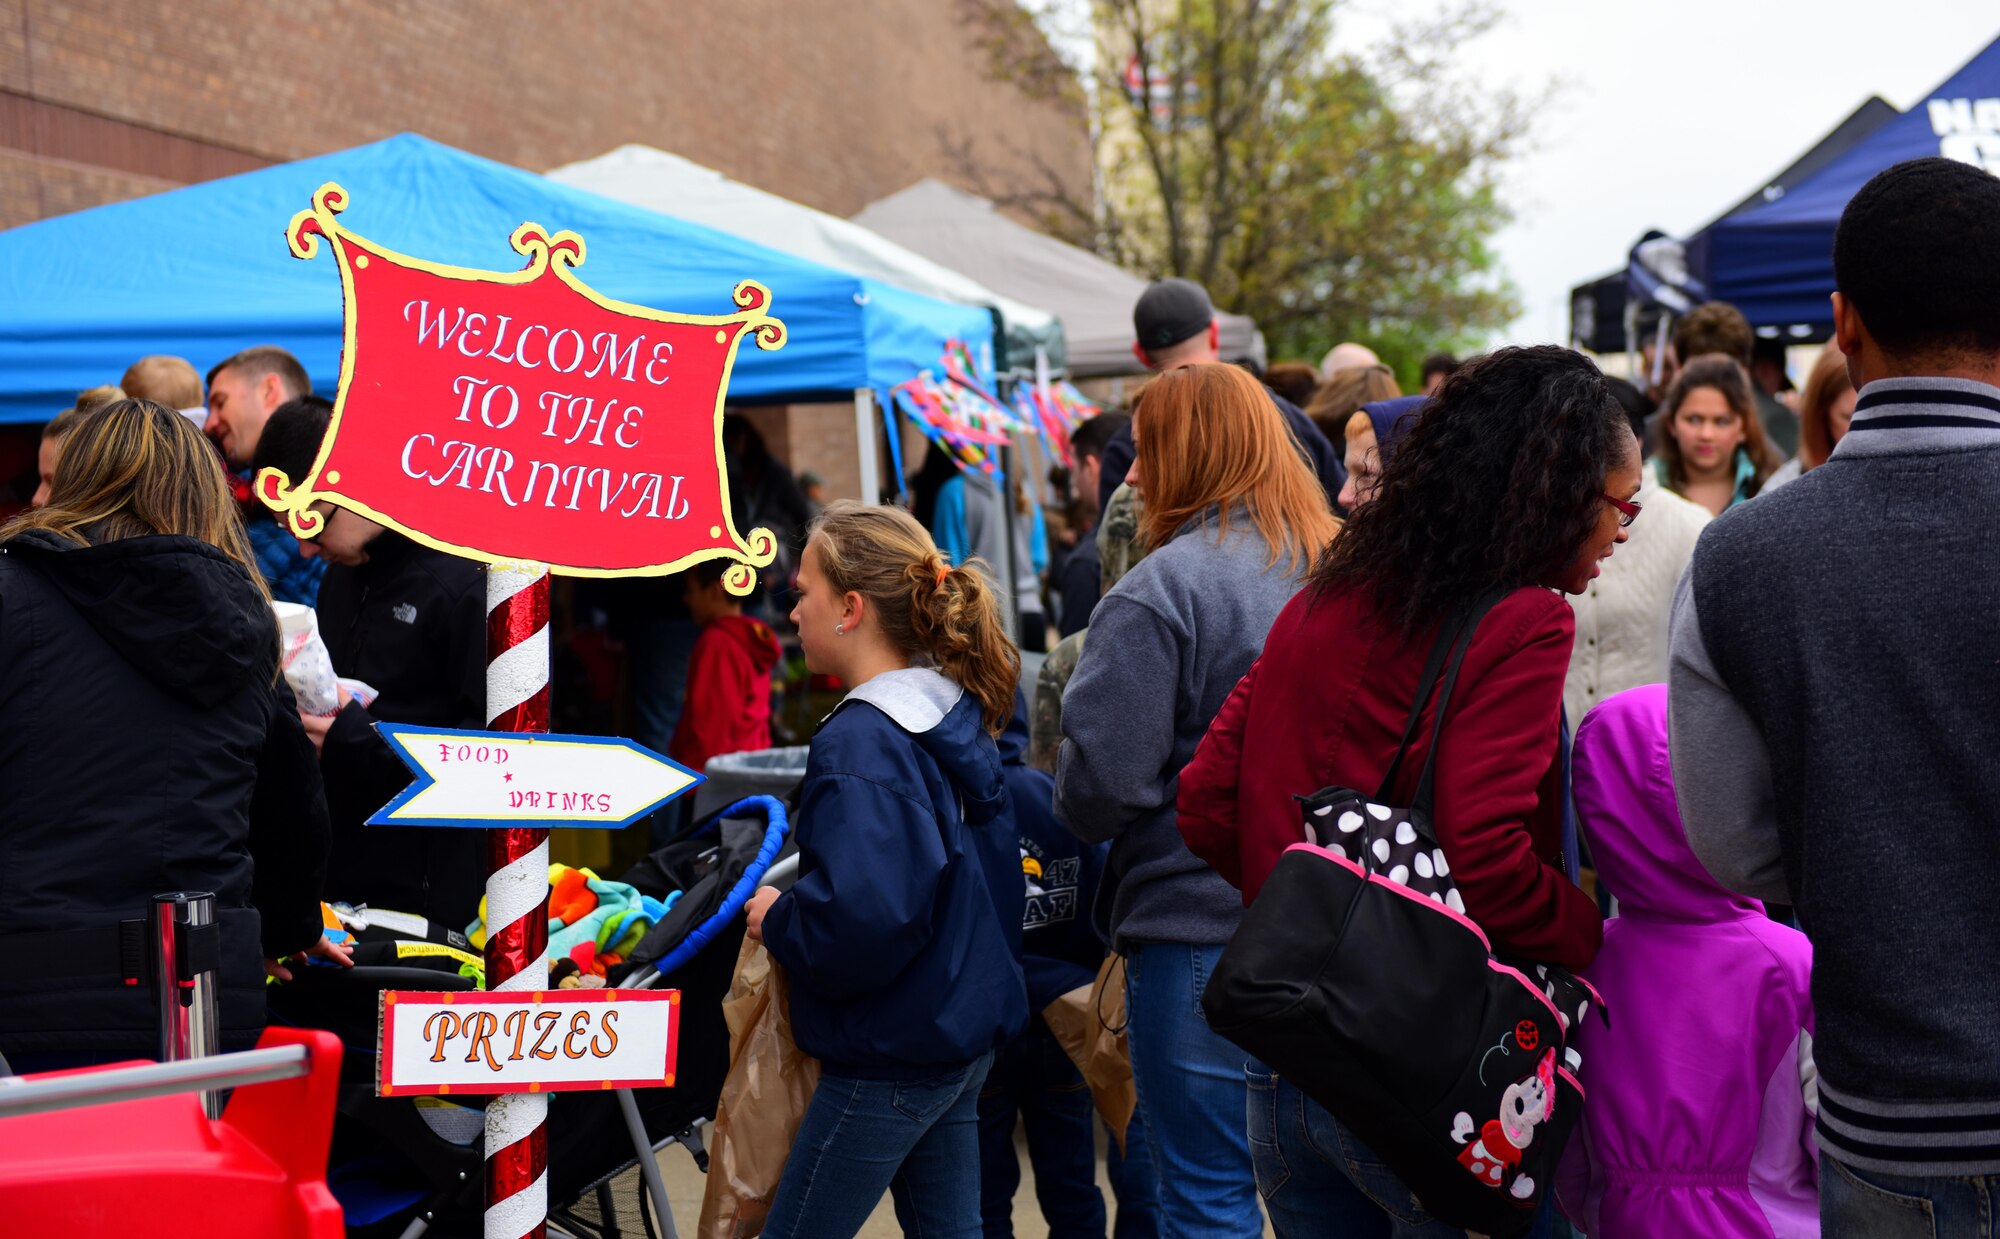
(904, 965)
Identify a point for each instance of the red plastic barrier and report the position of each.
(158, 1166)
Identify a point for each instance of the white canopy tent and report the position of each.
(1093, 297)
(645, 176)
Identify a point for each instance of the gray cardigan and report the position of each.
(1167, 645)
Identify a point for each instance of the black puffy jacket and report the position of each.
(146, 745)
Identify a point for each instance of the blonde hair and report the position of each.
(171, 381)
(1828, 382)
(132, 469)
(1208, 437)
(92, 399)
(928, 609)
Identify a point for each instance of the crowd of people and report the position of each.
(1718, 741)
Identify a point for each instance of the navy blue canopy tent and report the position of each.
(204, 271)
(1774, 261)
(1656, 277)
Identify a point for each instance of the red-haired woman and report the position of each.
(1236, 519)
(1826, 406)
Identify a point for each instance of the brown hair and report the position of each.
(163, 380)
(134, 468)
(928, 609)
(1296, 381)
(1342, 396)
(62, 423)
(263, 359)
(1714, 327)
(1725, 375)
(1828, 382)
(1209, 437)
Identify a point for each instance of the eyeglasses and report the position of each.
(1627, 512)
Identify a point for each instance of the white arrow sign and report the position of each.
(509, 778)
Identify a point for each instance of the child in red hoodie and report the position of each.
(728, 706)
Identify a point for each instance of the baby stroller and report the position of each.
(403, 1167)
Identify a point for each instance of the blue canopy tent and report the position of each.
(1599, 317)
(204, 271)
(1774, 261)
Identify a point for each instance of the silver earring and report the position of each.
(840, 630)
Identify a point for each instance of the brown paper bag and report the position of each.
(764, 1097)
(1089, 1022)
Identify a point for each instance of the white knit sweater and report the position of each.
(1621, 620)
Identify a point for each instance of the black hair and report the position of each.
(1917, 254)
(1638, 408)
(1093, 436)
(709, 571)
(938, 468)
(1440, 363)
(291, 438)
(1497, 486)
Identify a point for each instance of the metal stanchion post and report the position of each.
(185, 946)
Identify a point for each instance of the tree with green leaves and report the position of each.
(1331, 195)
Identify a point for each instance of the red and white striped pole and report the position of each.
(517, 895)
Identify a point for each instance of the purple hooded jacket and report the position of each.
(1696, 1121)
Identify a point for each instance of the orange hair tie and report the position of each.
(944, 570)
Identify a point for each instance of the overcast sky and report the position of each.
(1674, 112)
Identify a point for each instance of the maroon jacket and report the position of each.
(1325, 705)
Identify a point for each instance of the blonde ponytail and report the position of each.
(928, 609)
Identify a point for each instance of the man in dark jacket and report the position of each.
(1076, 584)
(1834, 668)
(146, 745)
(409, 622)
(1176, 326)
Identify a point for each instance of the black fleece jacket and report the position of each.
(411, 623)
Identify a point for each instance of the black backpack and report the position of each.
(1357, 977)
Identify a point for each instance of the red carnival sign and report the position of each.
(522, 417)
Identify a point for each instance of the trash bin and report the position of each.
(765, 772)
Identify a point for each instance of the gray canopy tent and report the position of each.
(1092, 297)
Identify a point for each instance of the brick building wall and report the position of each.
(833, 103)
(830, 102)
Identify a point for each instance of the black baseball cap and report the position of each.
(1170, 311)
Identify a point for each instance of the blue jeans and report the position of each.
(1191, 1096)
(1854, 1204)
(917, 1140)
(1133, 1185)
(1317, 1178)
(1034, 1079)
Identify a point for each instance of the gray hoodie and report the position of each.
(1167, 645)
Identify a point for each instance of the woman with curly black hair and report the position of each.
(1516, 480)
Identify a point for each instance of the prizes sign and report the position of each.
(525, 1041)
(522, 417)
